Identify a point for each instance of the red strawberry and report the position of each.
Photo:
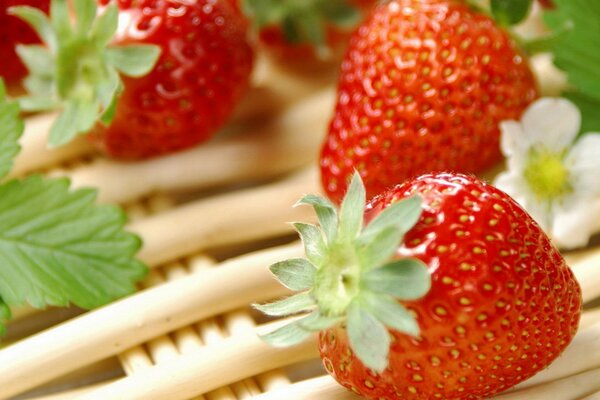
(202, 72)
(13, 32)
(423, 87)
(495, 304)
(546, 3)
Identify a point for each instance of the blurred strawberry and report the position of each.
(12, 32)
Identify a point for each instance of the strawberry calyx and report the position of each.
(303, 21)
(352, 276)
(78, 70)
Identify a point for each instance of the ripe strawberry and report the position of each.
(423, 87)
(13, 32)
(546, 3)
(189, 93)
(495, 304)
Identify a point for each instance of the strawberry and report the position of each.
(13, 32)
(186, 95)
(308, 31)
(450, 291)
(423, 87)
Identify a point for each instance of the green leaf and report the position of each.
(290, 305)
(133, 60)
(326, 213)
(85, 10)
(510, 12)
(406, 279)
(314, 245)
(316, 322)
(352, 210)
(57, 247)
(369, 339)
(295, 274)
(39, 22)
(37, 59)
(381, 248)
(11, 129)
(403, 214)
(77, 117)
(106, 25)
(389, 312)
(575, 50)
(288, 335)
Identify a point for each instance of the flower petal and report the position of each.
(583, 162)
(574, 226)
(553, 122)
(512, 141)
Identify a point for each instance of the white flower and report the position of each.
(553, 176)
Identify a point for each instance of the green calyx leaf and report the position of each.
(78, 71)
(11, 129)
(353, 275)
(406, 279)
(510, 12)
(575, 36)
(290, 305)
(369, 339)
(303, 21)
(58, 247)
(295, 274)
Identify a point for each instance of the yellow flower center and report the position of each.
(546, 174)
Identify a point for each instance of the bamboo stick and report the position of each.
(234, 359)
(284, 143)
(73, 393)
(570, 388)
(323, 387)
(585, 266)
(232, 218)
(121, 325)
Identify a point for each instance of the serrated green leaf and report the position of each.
(403, 214)
(133, 60)
(11, 129)
(369, 339)
(295, 274)
(287, 335)
(326, 213)
(389, 312)
(314, 244)
(85, 10)
(37, 59)
(510, 12)
(39, 21)
(575, 50)
(290, 305)
(76, 118)
(352, 210)
(105, 26)
(316, 322)
(406, 279)
(381, 248)
(57, 247)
